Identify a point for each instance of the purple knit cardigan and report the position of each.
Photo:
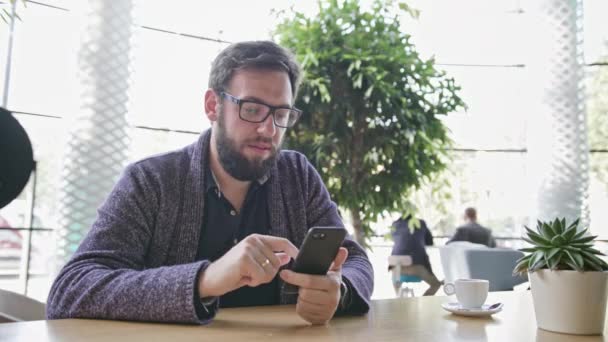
(138, 260)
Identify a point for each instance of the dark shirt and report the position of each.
(412, 242)
(475, 233)
(223, 227)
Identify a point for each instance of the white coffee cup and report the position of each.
(471, 293)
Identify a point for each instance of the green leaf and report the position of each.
(578, 235)
(558, 240)
(538, 265)
(536, 257)
(524, 258)
(555, 260)
(521, 265)
(534, 243)
(595, 259)
(569, 233)
(534, 236)
(594, 251)
(557, 226)
(547, 230)
(572, 265)
(552, 252)
(591, 264)
(584, 239)
(537, 238)
(576, 258)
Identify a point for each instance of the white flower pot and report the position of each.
(570, 302)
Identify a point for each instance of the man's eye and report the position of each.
(251, 110)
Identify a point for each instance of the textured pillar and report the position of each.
(558, 147)
(98, 137)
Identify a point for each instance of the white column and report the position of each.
(557, 136)
(98, 136)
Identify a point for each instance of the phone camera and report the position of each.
(318, 236)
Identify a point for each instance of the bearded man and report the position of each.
(217, 223)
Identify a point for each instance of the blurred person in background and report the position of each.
(412, 241)
(472, 231)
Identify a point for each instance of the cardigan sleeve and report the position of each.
(107, 278)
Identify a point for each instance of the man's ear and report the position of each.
(212, 105)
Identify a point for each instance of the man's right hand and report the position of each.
(253, 261)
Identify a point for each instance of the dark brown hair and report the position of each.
(253, 55)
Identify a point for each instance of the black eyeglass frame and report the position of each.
(271, 110)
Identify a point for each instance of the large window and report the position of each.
(484, 45)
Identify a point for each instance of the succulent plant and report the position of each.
(556, 246)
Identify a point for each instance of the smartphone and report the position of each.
(318, 250)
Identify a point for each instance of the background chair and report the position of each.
(15, 307)
(400, 280)
(462, 260)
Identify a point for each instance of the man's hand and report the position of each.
(253, 261)
(319, 296)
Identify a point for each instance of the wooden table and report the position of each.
(413, 319)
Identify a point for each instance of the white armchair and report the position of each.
(462, 260)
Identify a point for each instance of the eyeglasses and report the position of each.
(256, 112)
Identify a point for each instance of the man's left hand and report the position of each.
(319, 295)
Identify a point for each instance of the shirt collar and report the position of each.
(212, 183)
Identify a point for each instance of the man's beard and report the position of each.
(235, 163)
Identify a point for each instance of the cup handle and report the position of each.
(449, 289)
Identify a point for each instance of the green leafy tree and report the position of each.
(372, 105)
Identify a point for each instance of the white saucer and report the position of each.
(457, 309)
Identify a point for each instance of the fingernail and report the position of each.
(284, 274)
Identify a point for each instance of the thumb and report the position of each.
(339, 260)
(283, 258)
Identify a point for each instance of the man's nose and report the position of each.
(267, 127)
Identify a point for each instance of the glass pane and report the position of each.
(502, 202)
(10, 258)
(469, 32)
(595, 30)
(4, 34)
(170, 80)
(231, 20)
(43, 133)
(146, 143)
(44, 63)
(42, 255)
(598, 194)
(497, 108)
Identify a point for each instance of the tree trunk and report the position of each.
(358, 226)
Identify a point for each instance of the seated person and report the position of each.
(472, 231)
(211, 225)
(412, 242)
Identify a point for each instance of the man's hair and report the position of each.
(470, 213)
(265, 55)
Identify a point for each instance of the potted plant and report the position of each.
(567, 278)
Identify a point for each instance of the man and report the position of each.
(472, 231)
(214, 224)
(412, 241)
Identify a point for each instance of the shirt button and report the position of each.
(232, 212)
(235, 241)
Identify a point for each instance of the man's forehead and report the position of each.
(268, 86)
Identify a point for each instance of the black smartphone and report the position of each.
(318, 250)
